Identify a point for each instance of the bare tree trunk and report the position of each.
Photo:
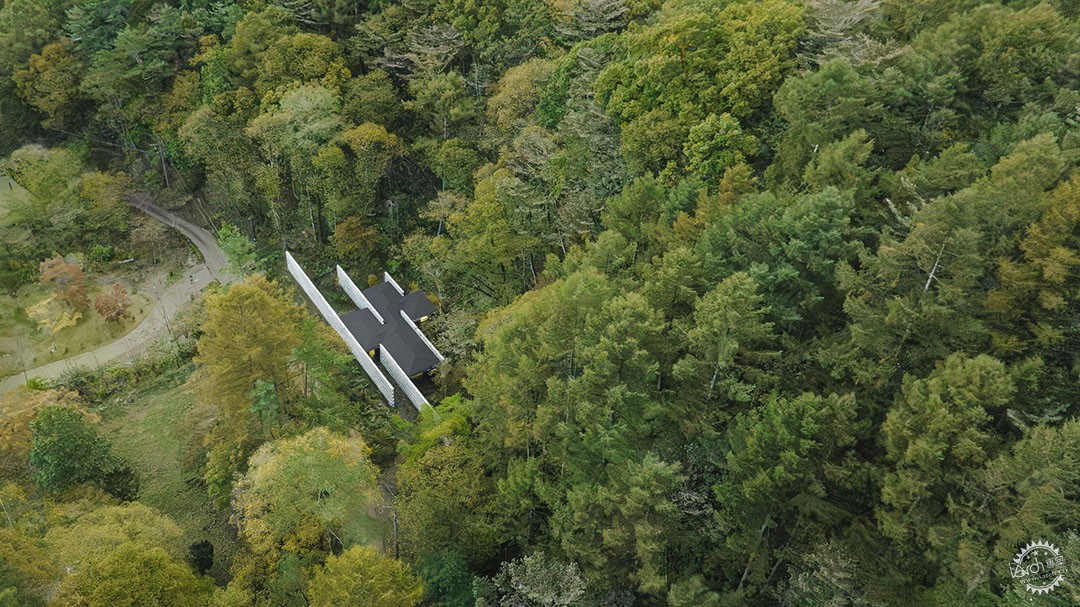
(933, 270)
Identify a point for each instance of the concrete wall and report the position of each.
(422, 336)
(393, 283)
(355, 294)
(403, 381)
(331, 317)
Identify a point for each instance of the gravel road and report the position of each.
(172, 300)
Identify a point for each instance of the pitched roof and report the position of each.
(365, 327)
(395, 334)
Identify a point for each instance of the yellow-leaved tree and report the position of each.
(249, 336)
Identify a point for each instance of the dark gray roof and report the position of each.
(395, 335)
(417, 305)
(365, 327)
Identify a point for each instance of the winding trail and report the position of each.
(171, 300)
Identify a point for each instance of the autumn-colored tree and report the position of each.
(353, 240)
(26, 571)
(17, 410)
(362, 577)
(249, 335)
(123, 555)
(83, 537)
(134, 575)
(306, 494)
(66, 281)
(50, 83)
(113, 304)
(53, 316)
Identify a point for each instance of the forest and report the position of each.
(743, 302)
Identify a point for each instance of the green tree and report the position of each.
(1032, 489)
(715, 145)
(566, 392)
(1033, 291)
(17, 411)
(936, 436)
(25, 28)
(728, 331)
(446, 483)
(303, 58)
(447, 580)
(92, 25)
(254, 34)
(511, 105)
(637, 213)
(741, 53)
(618, 528)
(371, 98)
(775, 476)
(692, 592)
(455, 163)
(444, 103)
(238, 249)
(290, 137)
(500, 34)
(536, 580)
(792, 248)
(126, 78)
(66, 449)
(236, 182)
(354, 241)
(920, 297)
(374, 149)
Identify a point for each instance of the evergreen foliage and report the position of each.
(745, 302)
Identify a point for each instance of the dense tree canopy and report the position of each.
(745, 302)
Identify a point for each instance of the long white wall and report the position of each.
(355, 294)
(331, 317)
(393, 283)
(407, 386)
(421, 335)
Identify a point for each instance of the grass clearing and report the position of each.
(147, 428)
(10, 192)
(12, 195)
(23, 345)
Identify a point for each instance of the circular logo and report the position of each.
(1039, 567)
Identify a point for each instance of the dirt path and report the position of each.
(170, 300)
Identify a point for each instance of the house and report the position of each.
(384, 327)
